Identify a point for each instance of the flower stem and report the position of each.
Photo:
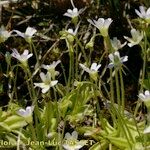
(144, 61)
(111, 88)
(117, 90)
(32, 47)
(107, 45)
(122, 91)
(71, 66)
(82, 49)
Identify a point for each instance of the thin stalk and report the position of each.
(72, 3)
(107, 45)
(110, 146)
(71, 66)
(137, 128)
(14, 87)
(117, 90)
(56, 105)
(96, 105)
(144, 61)
(28, 85)
(33, 132)
(137, 108)
(122, 91)
(148, 116)
(64, 74)
(18, 141)
(143, 71)
(106, 102)
(34, 100)
(32, 48)
(76, 63)
(111, 88)
(82, 49)
(112, 95)
(123, 126)
(91, 50)
(62, 135)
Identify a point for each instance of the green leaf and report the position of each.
(118, 142)
(146, 83)
(15, 122)
(99, 146)
(13, 119)
(4, 126)
(18, 124)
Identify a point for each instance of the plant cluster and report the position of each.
(80, 104)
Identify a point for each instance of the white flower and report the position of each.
(102, 24)
(4, 34)
(147, 130)
(137, 36)
(71, 142)
(116, 44)
(116, 60)
(70, 31)
(28, 33)
(51, 68)
(69, 34)
(4, 3)
(23, 58)
(143, 13)
(26, 112)
(145, 98)
(73, 13)
(93, 70)
(46, 82)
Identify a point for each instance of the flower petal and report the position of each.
(45, 66)
(69, 11)
(19, 33)
(93, 66)
(117, 54)
(41, 85)
(26, 52)
(45, 89)
(142, 9)
(110, 65)
(53, 83)
(91, 21)
(148, 12)
(142, 96)
(131, 44)
(147, 93)
(107, 22)
(75, 10)
(85, 68)
(138, 13)
(111, 57)
(29, 110)
(30, 31)
(74, 135)
(124, 59)
(43, 76)
(98, 66)
(30, 55)
(67, 135)
(67, 14)
(21, 112)
(147, 130)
